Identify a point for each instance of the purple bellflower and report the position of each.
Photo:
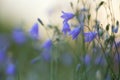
(117, 57)
(87, 59)
(34, 32)
(66, 27)
(90, 36)
(67, 16)
(100, 61)
(18, 36)
(46, 54)
(117, 44)
(47, 44)
(115, 28)
(10, 70)
(75, 32)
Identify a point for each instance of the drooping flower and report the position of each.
(67, 16)
(18, 36)
(114, 29)
(46, 54)
(10, 70)
(75, 32)
(117, 44)
(100, 60)
(47, 44)
(34, 32)
(66, 27)
(90, 36)
(87, 59)
(117, 57)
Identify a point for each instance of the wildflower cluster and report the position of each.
(92, 54)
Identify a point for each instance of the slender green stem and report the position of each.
(51, 67)
(51, 70)
(56, 68)
(112, 72)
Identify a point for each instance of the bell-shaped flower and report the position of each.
(90, 36)
(115, 29)
(67, 16)
(10, 69)
(66, 27)
(34, 32)
(18, 36)
(47, 44)
(87, 59)
(100, 61)
(75, 32)
(46, 54)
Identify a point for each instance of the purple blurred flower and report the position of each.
(10, 70)
(75, 32)
(19, 36)
(47, 44)
(87, 59)
(90, 36)
(117, 44)
(100, 61)
(34, 32)
(67, 16)
(66, 27)
(2, 55)
(117, 57)
(115, 29)
(46, 55)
